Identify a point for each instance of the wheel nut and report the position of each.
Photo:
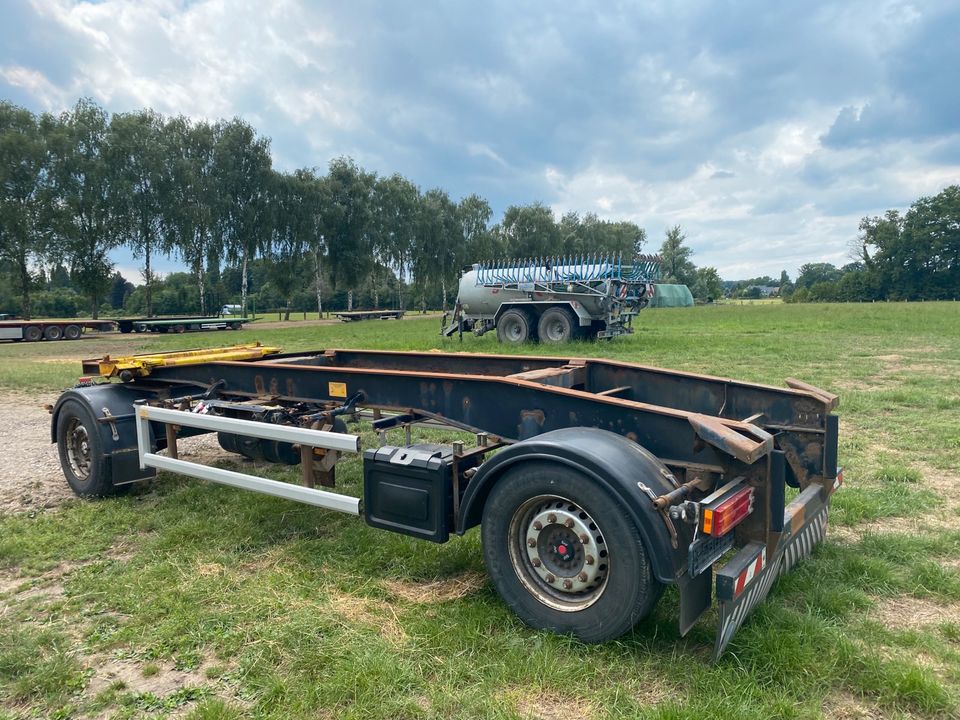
(536, 562)
(567, 584)
(590, 560)
(568, 523)
(551, 518)
(531, 542)
(537, 525)
(582, 577)
(550, 578)
(584, 538)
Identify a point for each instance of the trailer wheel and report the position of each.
(53, 332)
(235, 326)
(32, 333)
(180, 328)
(72, 332)
(81, 452)
(557, 325)
(514, 327)
(563, 554)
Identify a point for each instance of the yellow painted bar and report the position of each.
(141, 365)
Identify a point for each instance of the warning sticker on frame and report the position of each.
(337, 389)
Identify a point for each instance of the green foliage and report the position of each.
(86, 222)
(24, 202)
(708, 285)
(915, 256)
(675, 264)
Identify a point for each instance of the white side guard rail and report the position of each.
(340, 442)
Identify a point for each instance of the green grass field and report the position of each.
(207, 602)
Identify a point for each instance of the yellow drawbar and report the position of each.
(141, 365)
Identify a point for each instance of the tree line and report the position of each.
(79, 184)
(897, 256)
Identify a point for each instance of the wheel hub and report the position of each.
(563, 546)
(78, 450)
(556, 331)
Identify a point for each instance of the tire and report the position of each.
(558, 325)
(513, 327)
(235, 326)
(32, 333)
(81, 452)
(53, 332)
(180, 328)
(72, 332)
(594, 601)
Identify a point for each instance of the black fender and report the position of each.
(613, 461)
(112, 405)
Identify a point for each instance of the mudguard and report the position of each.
(111, 404)
(624, 468)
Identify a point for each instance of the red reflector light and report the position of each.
(722, 518)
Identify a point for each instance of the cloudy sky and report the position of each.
(766, 130)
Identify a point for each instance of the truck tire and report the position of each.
(558, 325)
(53, 332)
(32, 333)
(72, 332)
(564, 556)
(81, 452)
(514, 327)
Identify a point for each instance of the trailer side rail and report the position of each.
(340, 442)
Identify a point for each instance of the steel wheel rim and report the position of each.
(78, 449)
(579, 570)
(514, 331)
(556, 331)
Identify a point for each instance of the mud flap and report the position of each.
(745, 581)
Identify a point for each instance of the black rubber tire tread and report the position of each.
(53, 332)
(555, 314)
(632, 591)
(72, 332)
(32, 333)
(100, 481)
(515, 315)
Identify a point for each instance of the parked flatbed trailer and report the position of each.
(34, 330)
(179, 324)
(356, 315)
(595, 483)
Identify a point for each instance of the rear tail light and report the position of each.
(726, 509)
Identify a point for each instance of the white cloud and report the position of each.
(766, 131)
(35, 83)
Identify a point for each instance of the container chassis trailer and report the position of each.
(34, 330)
(595, 483)
(357, 315)
(180, 324)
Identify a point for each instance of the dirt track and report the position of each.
(30, 477)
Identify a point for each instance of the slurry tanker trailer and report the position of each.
(553, 300)
(595, 483)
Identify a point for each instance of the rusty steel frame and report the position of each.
(704, 429)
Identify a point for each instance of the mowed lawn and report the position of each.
(199, 601)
